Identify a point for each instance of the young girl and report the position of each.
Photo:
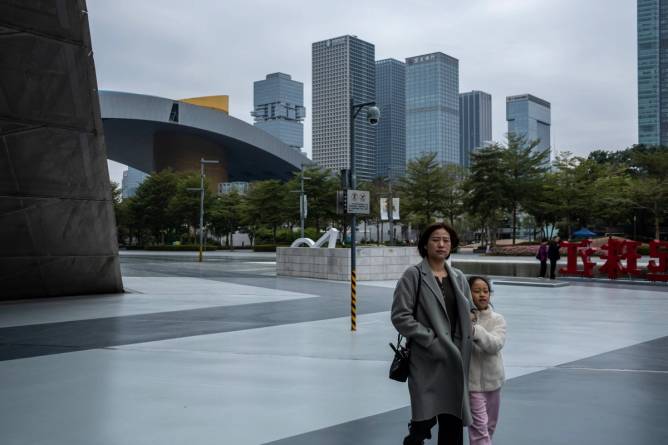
(486, 375)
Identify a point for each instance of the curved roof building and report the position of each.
(153, 133)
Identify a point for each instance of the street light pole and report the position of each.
(202, 161)
(390, 211)
(354, 111)
(302, 202)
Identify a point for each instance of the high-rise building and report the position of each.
(343, 68)
(132, 179)
(279, 108)
(529, 116)
(432, 107)
(652, 72)
(391, 131)
(475, 123)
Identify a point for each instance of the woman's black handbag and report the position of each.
(402, 353)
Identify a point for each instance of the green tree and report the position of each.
(523, 170)
(422, 190)
(183, 209)
(264, 205)
(148, 209)
(649, 188)
(225, 215)
(453, 192)
(321, 190)
(483, 189)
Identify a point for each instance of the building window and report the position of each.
(174, 115)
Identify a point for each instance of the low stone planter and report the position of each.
(373, 263)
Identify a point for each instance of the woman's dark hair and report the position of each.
(472, 279)
(426, 234)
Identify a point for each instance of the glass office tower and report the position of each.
(653, 72)
(530, 116)
(391, 131)
(132, 179)
(432, 107)
(279, 108)
(475, 123)
(343, 67)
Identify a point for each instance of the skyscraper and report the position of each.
(652, 72)
(432, 107)
(279, 108)
(529, 116)
(475, 123)
(343, 67)
(132, 179)
(391, 131)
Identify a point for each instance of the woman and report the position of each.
(542, 257)
(553, 255)
(439, 336)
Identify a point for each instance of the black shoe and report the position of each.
(413, 440)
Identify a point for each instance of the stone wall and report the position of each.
(373, 263)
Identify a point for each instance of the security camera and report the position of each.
(372, 115)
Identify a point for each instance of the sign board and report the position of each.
(384, 214)
(358, 202)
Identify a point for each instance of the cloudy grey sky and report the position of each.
(580, 55)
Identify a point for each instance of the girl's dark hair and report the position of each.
(473, 278)
(426, 234)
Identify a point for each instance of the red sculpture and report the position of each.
(574, 250)
(658, 272)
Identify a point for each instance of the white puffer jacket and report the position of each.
(486, 369)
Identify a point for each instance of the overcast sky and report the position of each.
(578, 55)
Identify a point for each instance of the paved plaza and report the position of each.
(225, 352)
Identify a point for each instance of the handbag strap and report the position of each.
(415, 306)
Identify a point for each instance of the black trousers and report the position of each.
(543, 269)
(450, 430)
(553, 267)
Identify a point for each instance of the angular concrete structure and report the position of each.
(57, 227)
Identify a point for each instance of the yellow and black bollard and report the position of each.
(353, 300)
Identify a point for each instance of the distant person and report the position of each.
(542, 257)
(553, 255)
(486, 373)
(439, 337)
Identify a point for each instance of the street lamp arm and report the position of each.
(357, 108)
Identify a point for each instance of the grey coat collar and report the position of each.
(430, 280)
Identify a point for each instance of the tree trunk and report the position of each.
(514, 223)
(657, 234)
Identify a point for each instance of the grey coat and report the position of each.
(439, 365)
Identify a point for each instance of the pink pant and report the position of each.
(485, 413)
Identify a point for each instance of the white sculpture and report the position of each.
(331, 235)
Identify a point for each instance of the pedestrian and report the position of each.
(439, 337)
(486, 373)
(542, 257)
(553, 255)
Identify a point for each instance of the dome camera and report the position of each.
(372, 115)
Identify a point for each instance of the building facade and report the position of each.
(343, 68)
(278, 103)
(132, 179)
(432, 107)
(240, 187)
(391, 130)
(652, 72)
(530, 116)
(475, 123)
